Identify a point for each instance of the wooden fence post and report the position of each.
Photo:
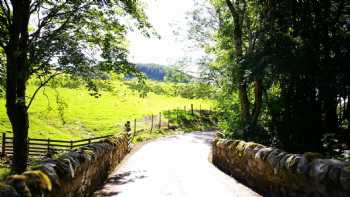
(152, 123)
(177, 115)
(127, 128)
(200, 110)
(48, 147)
(160, 120)
(89, 140)
(28, 145)
(71, 144)
(192, 109)
(135, 125)
(168, 119)
(3, 149)
(168, 123)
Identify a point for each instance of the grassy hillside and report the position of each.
(71, 113)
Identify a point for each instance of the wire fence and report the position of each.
(166, 119)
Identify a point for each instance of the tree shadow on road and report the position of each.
(105, 193)
(206, 137)
(124, 178)
(119, 179)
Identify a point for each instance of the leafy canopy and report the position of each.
(78, 37)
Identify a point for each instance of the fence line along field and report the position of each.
(63, 112)
(40, 147)
(46, 147)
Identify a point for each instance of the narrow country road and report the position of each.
(176, 166)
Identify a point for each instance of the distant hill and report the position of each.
(163, 73)
(152, 71)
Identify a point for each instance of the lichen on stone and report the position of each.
(318, 170)
(291, 162)
(344, 178)
(39, 178)
(8, 191)
(75, 173)
(277, 173)
(310, 156)
(263, 153)
(19, 183)
(49, 169)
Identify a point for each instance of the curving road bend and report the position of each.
(176, 166)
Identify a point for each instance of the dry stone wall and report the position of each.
(77, 173)
(273, 172)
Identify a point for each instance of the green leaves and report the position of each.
(82, 37)
(299, 51)
(2, 73)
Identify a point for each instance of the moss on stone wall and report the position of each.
(273, 172)
(76, 173)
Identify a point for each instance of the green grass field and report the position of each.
(65, 113)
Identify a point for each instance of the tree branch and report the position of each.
(41, 86)
(43, 22)
(339, 11)
(56, 31)
(52, 15)
(244, 11)
(3, 46)
(231, 7)
(7, 11)
(34, 6)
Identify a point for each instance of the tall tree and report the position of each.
(242, 29)
(295, 52)
(235, 25)
(306, 49)
(49, 37)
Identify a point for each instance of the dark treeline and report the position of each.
(152, 71)
(283, 69)
(164, 73)
(309, 58)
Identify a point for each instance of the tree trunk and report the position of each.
(17, 75)
(258, 100)
(17, 113)
(237, 38)
(244, 102)
(20, 142)
(331, 119)
(347, 111)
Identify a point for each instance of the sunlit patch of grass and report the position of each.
(4, 172)
(150, 135)
(180, 122)
(192, 121)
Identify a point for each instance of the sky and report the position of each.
(166, 16)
